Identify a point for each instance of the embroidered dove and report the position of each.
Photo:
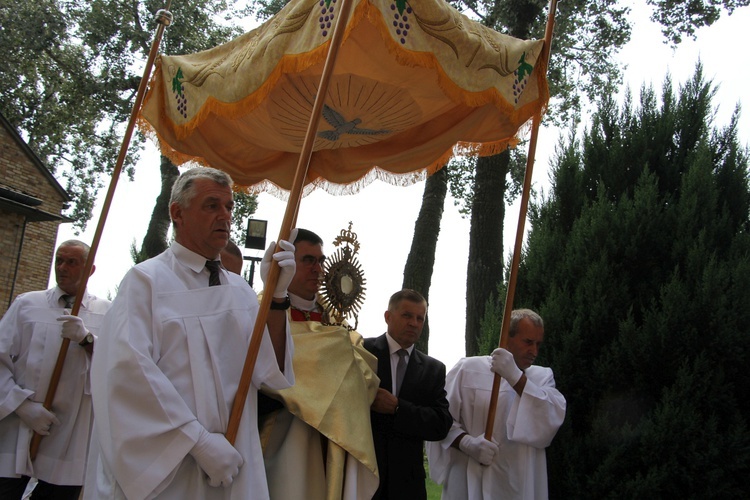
(341, 126)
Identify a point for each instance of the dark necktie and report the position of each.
(69, 300)
(400, 369)
(213, 268)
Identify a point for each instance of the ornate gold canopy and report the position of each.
(412, 82)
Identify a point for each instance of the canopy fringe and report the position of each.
(294, 63)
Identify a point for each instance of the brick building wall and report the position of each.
(27, 233)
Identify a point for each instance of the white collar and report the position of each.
(190, 259)
(394, 346)
(303, 304)
(59, 292)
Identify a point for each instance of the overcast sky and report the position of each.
(383, 216)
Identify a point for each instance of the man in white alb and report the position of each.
(530, 410)
(30, 339)
(167, 370)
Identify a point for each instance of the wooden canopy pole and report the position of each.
(521, 224)
(164, 18)
(290, 216)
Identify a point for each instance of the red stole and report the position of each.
(299, 315)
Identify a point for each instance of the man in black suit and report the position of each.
(404, 417)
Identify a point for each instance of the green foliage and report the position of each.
(61, 100)
(491, 324)
(684, 17)
(71, 70)
(583, 69)
(461, 175)
(244, 207)
(588, 34)
(638, 261)
(136, 255)
(461, 182)
(268, 8)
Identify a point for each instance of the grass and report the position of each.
(434, 490)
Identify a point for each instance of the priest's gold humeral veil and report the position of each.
(336, 383)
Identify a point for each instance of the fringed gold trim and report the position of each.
(409, 58)
(293, 63)
(299, 62)
(354, 187)
(289, 63)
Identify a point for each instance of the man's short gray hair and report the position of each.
(518, 314)
(183, 189)
(405, 294)
(79, 244)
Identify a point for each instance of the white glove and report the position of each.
(218, 459)
(478, 448)
(36, 416)
(287, 265)
(73, 328)
(504, 365)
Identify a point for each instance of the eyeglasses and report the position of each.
(310, 261)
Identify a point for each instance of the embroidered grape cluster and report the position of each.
(401, 13)
(326, 16)
(519, 84)
(521, 77)
(179, 93)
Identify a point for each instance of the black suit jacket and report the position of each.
(422, 415)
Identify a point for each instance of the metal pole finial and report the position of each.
(164, 17)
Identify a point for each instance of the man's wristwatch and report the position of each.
(87, 340)
(281, 306)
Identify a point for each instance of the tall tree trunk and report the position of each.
(155, 240)
(421, 259)
(485, 266)
(485, 269)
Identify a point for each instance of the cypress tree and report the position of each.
(639, 263)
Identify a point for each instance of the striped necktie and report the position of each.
(69, 300)
(213, 268)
